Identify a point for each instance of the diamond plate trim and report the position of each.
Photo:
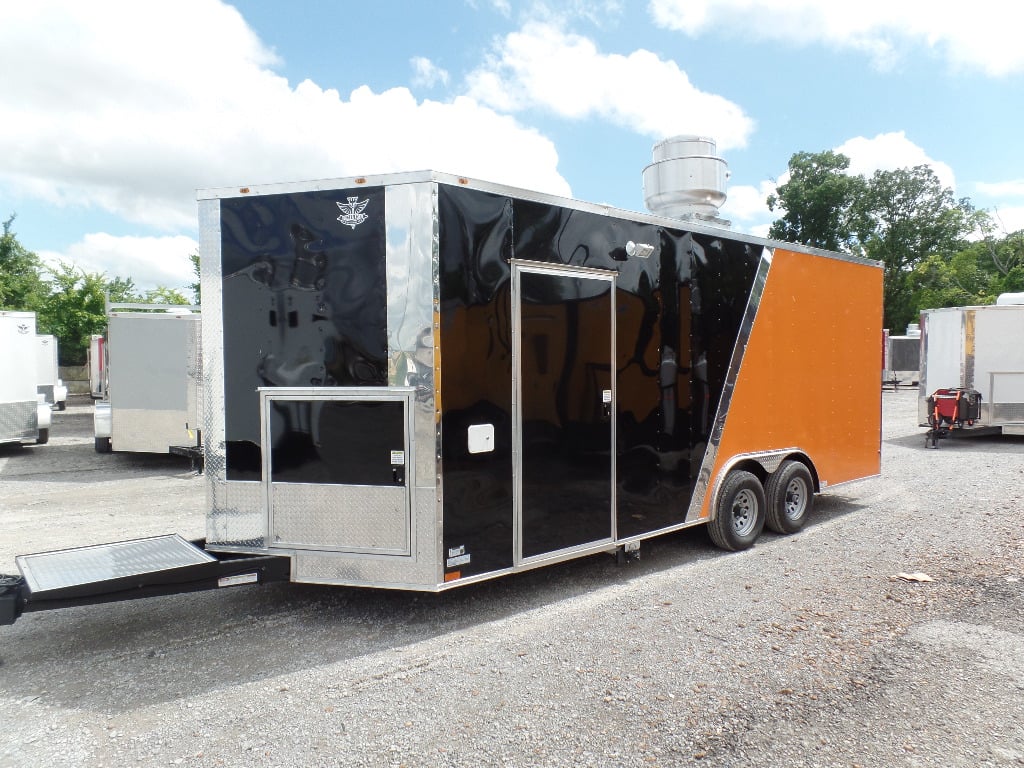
(235, 515)
(19, 421)
(418, 572)
(1002, 412)
(345, 518)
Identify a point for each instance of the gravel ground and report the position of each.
(803, 651)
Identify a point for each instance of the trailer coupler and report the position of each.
(128, 570)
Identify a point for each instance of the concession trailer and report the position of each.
(24, 413)
(421, 381)
(151, 380)
(48, 381)
(972, 371)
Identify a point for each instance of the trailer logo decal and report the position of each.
(352, 212)
(22, 328)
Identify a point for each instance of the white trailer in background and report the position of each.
(980, 349)
(49, 385)
(97, 367)
(24, 415)
(152, 364)
(902, 357)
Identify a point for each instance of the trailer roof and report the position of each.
(974, 307)
(414, 177)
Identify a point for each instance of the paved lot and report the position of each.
(803, 651)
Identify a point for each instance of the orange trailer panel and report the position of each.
(808, 376)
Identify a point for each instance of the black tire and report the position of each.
(44, 436)
(790, 495)
(102, 445)
(62, 406)
(739, 514)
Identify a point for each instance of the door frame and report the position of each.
(404, 395)
(520, 266)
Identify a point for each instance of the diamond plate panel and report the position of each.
(18, 421)
(236, 511)
(51, 571)
(235, 514)
(419, 572)
(348, 518)
(1003, 412)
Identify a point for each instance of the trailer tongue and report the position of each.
(126, 570)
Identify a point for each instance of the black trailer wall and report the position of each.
(304, 304)
(678, 315)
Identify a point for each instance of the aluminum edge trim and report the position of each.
(517, 427)
(704, 478)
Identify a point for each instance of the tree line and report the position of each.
(937, 251)
(69, 302)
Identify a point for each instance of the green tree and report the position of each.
(164, 295)
(122, 290)
(977, 274)
(818, 202)
(22, 286)
(1007, 259)
(903, 218)
(75, 309)
(196, 286)
(909, 216)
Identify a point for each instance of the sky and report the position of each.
(113, 113)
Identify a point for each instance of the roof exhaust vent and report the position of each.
(686, 180)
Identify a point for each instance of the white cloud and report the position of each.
(1008, 218)
(130, 107)
(984, 35)
(745, 206)
(1013, 188)
(541, 67)
(995, 196)
(889, 152)
(149, 261)
(427, 74)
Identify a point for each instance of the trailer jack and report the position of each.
(627, 553)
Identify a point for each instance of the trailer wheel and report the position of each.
(44, 436)
(62, 405)
(790, 495)
(739, 513)
(102, 445)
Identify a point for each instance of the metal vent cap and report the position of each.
(686, 180)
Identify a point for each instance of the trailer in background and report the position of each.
(420, 381)
(152, 366)
(97, 367)
(972, 354)
(24, 414)
(902, 358)
(50, 386)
